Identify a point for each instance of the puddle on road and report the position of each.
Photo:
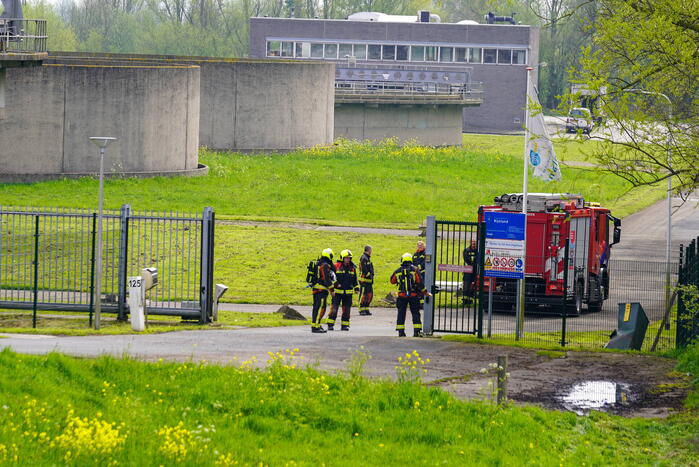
(597, 395)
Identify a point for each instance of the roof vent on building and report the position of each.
(490, 18)
(467, 21)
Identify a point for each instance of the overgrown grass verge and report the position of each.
(72, 324)
(350, 183)
(575, 340)
(61, 410)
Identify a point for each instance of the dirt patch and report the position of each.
(633, 385)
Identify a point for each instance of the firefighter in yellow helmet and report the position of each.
(411, 289)
(323, 284)
(345, 286)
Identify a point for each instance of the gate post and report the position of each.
(430, 237)
(207, 265)
(480, 277)
(123, 258)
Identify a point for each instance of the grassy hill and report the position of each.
(346, 184)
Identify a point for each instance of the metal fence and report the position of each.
(409, 92)
(22, 35)
(461, 299)
(630, 281)
(688, 305)
(47, 260)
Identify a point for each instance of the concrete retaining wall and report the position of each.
(265, 105)
(427, 125)
(51, 111)
(249, 105)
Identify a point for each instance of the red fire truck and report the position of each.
(552, 221)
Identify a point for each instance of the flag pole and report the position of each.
(525, 189)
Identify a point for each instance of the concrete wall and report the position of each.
(266, 105)
(52, 110)
(249, 105)
(427, 125)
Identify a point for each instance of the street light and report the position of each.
(101, 142)
(669, 193)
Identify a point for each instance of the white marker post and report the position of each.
(135, 302)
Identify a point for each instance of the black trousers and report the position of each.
(402, 304)
(468, 284)
(346, 301)
(366, 294)
(320, 301)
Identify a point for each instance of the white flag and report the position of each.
(542, 158)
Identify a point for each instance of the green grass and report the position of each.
(268, 264)
(58, 410)
(346, 184)
(576, 340)
(70, 324)
(567, 150)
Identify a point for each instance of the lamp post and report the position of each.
(668, 245)
(101, 142)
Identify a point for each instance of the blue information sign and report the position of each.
(504, 244)
(504, 225)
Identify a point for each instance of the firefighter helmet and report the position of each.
(327, 253)
(406, 257)
(344, 254)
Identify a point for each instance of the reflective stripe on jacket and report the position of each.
(407, 278)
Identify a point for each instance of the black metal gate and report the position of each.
(687, 313)
(452, 267)
(47, 260)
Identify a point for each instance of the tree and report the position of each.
(640, 51)
(61, 36)
(562, 36)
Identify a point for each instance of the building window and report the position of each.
(273, 48)
(505, 56)
(417, 53)
(402, 53)
(316, 50)
(460, 54)
(519, 57)
(474, 55)
(388, 52)
(303, 50)
(345, 50)
(490, 55)
(446, 54)
(331, 51)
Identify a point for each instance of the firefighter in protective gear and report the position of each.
(419, 262)
(323, 286)
(366, 282)
(410, 289)
(345, 286)
(469, 255)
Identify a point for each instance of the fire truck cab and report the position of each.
(554, 221)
